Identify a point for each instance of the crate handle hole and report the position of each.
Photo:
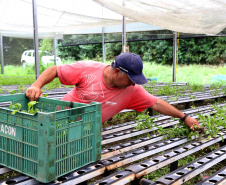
(10, 182)
(119, 176)
(102, 183)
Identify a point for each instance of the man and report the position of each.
(116, 86)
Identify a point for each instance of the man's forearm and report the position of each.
(167, 109)
(46, 77)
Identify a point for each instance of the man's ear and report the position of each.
(117, 71)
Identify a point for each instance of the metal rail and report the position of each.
(139, 170)
(159, 161)
(129, 151)
(218, 178)
(190, 170)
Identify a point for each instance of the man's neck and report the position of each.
(107, 75)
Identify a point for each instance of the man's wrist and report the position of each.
(185, 116)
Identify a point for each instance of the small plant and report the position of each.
(1, 90)
(21, 88)
(18, 108)
(144, 121)
(193, 97)
(178, 131)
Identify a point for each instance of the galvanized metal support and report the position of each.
(55, 48)
(222, 143)
(187, 105)
(36, 43)
(1, 52)
(123, 32)
(145, 182)
(103, 46)
(218, 178)
(83, 183)
(173, 166)
(174, 55)
(150, 112)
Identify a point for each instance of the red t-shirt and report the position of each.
(87, 76)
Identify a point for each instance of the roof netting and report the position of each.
(57, 17)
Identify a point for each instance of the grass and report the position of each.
(193, 74)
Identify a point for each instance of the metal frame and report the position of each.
(1, 53)
(36, 43)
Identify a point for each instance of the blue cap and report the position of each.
(131, 64)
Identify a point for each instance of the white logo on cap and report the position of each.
(123, 69)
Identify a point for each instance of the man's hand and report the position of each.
(190, 122)
(33, 93)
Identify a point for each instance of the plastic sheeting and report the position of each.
(57, 17)
(187, 16)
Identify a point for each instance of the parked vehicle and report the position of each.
(28, 57)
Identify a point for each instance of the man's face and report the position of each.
(123, 81)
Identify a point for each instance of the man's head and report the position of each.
(132, 65)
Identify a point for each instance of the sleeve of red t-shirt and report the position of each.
(141, 100)
(69, 74)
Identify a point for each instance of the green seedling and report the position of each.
(31, 107)
(144, 122)
(18, 108)
(193, 97)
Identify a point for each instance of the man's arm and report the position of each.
(46, 77)
(167, 109)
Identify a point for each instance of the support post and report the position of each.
(55, 48)
(103, 46)
(36, 44)
(150, 112)
(222, 143)
(174, 55)
(1, 51)
(173, 166)
(123, 32)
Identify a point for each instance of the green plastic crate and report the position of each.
(50, 143)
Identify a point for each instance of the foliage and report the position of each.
(18, 107)
(208, 50)
(144, 121)
(13, 49)
(76, 50)
(45, 45)
(211, 123)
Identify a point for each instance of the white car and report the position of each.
(28, 57)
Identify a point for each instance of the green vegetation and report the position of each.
(209, 50)
(17, 107)
(193, 74)
(209, 125)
